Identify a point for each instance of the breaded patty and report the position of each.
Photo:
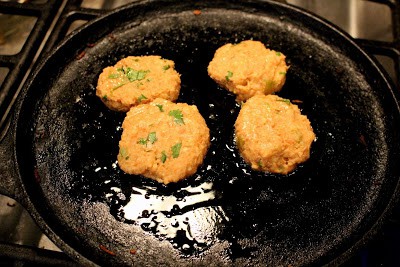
(272, 135)
(136, 80)
(248, 68)
(163, 141)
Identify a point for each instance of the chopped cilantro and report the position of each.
(118, 86)
(160, 107)
(135, 75)
(287, 101)
(278, 54)
(113, 76)
(142, 141)
(105, 98)
(152, 137)
(176, 150)
(163, 156)
(229, 75)
(166, 67)
(141, 97)
(131, 74)
(282, 72)
(178, 116)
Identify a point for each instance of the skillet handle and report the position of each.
(9, 184)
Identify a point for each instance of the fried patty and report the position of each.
(272, 135)
(137, 80)
(248, 68)
(163, 141)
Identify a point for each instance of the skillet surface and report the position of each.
(226, 213)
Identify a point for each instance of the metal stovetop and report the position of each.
(374, 24)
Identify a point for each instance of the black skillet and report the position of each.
(59, 156)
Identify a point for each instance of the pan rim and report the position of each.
(74, 35)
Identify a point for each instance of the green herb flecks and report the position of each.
(113, 76)
(287, 101)
(118, 86)
(278, 54)
(160, 107)
(176, 149)
(142, 141)
(124, 153)
(151, 137)
(132, 74)
(166, 67)
(178, 116)
(105, 97)
(141, 98)
(282, 73)
(229, 75)
(135, 75)
(163, 156)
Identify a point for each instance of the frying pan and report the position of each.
(59, 155)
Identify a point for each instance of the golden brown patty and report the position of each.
(163, 141)
(248, 68)
(136, 80)
(272, 135)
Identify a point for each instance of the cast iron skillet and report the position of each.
(59, 157)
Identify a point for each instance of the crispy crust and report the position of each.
(163, 141)
(248, 68)
(138, 80)
(272, 135)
